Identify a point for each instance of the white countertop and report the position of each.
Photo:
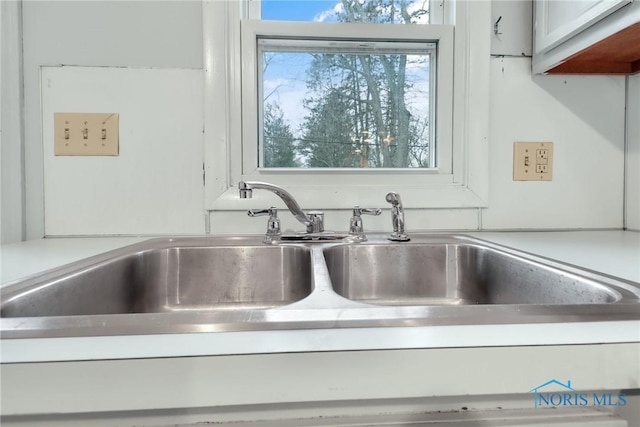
(23, 259)
(615, 253)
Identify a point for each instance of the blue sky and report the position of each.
(295, 10)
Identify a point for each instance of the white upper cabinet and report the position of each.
(558, 20)
(586, 36)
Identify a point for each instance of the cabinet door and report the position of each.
(558, 20)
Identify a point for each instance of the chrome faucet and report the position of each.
(356, 228)
(314, 220)
(397, 218)
(273, 225)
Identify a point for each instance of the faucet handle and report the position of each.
(272, 211)
(356, 227)
(273, 224)
(316, 219)
(357, 211)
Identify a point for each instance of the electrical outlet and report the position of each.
(86, 134)
(542, 168)
(532, 161)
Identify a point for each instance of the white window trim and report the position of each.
(465, 187)
(253, 29)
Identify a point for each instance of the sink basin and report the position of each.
(221, 284)
(177, 278)
(454, 274)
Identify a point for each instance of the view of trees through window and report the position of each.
(354, 107)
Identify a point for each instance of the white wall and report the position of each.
(12, 188)
(582, 115)
(146, 34)
(154, 185)
(633, 154)
(1, 102)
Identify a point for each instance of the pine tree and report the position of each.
(279, 143)
(325, 142)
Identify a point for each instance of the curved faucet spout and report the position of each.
(246, 192)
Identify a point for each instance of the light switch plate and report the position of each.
(86, 134)
(532, 161)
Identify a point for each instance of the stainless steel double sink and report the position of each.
(238, 283)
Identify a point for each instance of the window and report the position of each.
(346, 104)
(346, 96)
(338, 103)
(347, 135)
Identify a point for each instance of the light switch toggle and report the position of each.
(86, 134)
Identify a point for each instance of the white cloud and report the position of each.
(330, 14)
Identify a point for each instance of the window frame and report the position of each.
(229, 82)
(253, 30)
